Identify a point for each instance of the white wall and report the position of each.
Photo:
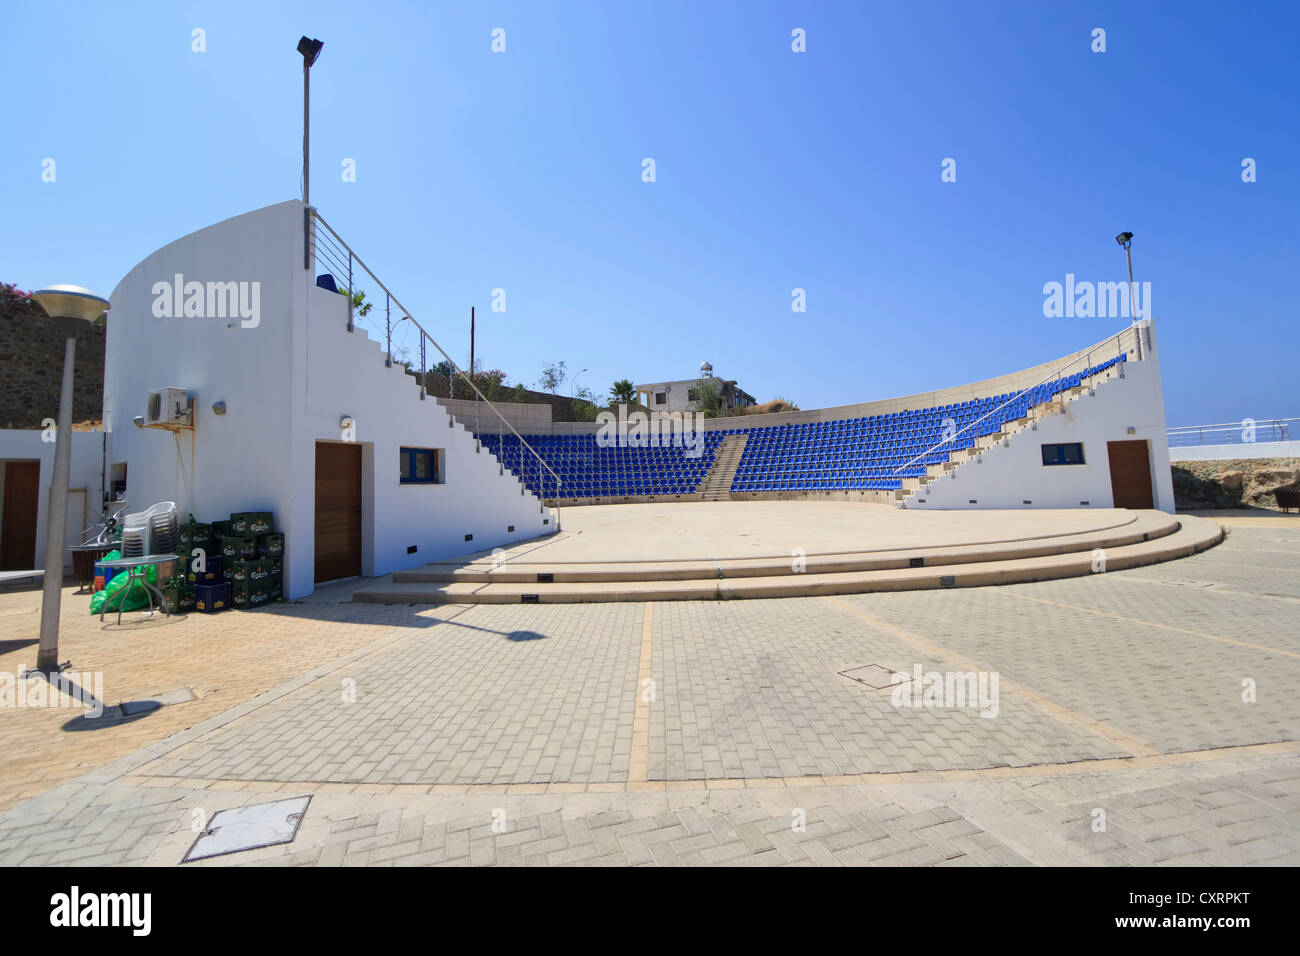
(343, 373)
(1238, 451)
(84, 472)
(233, 462)
(286, 383)
(1010, 474)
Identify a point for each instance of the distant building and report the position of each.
(681, 396)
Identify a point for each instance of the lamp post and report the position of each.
(70, 307)
(1125, 239)
(310, 50)
(573, 384)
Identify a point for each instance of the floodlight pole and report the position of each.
(1125, 239)
(1132, 296)
(471, 348)
(306, 132)
(1132, 289)
(310, 50)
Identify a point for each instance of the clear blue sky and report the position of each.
(775, 170)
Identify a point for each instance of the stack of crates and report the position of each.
(243, 562)
(178, 595)
(252, 559)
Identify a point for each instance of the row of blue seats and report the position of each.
(875, 452)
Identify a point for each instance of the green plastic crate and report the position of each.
(250, 522)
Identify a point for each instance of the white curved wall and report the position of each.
(286, 382)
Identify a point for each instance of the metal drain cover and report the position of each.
(131, 708)
(1181, 583)
(247, 828)
(873, 675)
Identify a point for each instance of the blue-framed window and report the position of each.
(420, 466)
(1065, 453)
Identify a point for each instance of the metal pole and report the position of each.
(423, 373)
(306, 133)
(349, 290)
(471, 351)
(1132, 297)
(388, 330)
(47, 655)
(306, 163)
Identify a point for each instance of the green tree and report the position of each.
(360, 307)
(553, 374)
(623, 393)
(708, 397)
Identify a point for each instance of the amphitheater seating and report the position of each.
(589, 471)
(860, 454)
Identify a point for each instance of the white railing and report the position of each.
(329, 249)
(1085, 357)
(1245, 432)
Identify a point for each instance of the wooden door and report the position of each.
(338, 510)
(18, 523)
(1130, 474)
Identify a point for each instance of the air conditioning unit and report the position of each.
(168, 406)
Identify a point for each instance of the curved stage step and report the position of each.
(1149, 538)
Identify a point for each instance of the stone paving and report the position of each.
(508, 735)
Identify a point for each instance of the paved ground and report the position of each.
(701, 732)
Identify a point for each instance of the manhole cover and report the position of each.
(132, 708)
(247, 828)
(873, 675)
(1178, 583)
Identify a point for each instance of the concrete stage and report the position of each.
(734, 549)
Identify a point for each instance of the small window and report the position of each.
(1067, 453)
(661, 398)
(419, 466)
(692, 396)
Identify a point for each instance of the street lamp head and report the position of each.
(1124, 238)
(71, 305)
(310, 50)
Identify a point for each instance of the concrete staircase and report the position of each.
(984, 444)
(716, 485)
(1141, 538)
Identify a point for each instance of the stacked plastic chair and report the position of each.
(157, 530)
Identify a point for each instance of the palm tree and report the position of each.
(623, 393)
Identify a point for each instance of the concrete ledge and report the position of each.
(965, 567)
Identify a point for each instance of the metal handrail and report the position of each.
(1086, 355)
(352, 258)
(1281, 428)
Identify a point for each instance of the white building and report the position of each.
(26, 473)
(681, 396)
(292, 413)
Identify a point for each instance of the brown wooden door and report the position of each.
(338, 510)
(18, 524)
(1130, 474)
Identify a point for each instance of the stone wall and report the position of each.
(31, 365)
(1241, 483)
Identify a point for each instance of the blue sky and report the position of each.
(774, 170)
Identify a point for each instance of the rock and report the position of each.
(1265, 482)
(1230, 480)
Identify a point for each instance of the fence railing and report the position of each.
(1245, 432)
(1102, 351)
(328, 249)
